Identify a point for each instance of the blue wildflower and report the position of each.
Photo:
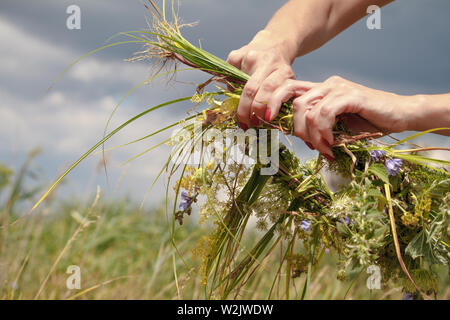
(377, 154)
(186, 202)
(346, 220)
(393, 166)
(408, 296)
(305, 225)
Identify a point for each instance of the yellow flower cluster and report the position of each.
(421, 211)
(192, 178)
(205, 246)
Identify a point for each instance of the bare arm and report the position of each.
(308, 24)
(317, 106)
(431, 111)
(299, 27)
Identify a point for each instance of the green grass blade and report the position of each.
(102, 141)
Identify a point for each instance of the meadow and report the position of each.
(125, 252)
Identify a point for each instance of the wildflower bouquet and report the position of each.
(393, 214)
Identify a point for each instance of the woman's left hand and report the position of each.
(317, 105)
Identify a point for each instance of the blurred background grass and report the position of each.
(125, 252)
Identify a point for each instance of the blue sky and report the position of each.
(409, 55)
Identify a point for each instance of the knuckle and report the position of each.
(252, 55)
(300, 101)
(268, 86)
(334, 79)
(342, 88)
(250, 90)
(325, 110)
(309, 117)
(297, 105)
(232, 54)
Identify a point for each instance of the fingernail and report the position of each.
(310, 145)
(267, 115)
(243, 126)
(329, 158)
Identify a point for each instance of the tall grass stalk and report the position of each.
(230, 264)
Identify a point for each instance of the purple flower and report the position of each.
(393, 166)
(377, 154)
(305, 225)
(408, 296)
(186, 202)
(185, 196)
(346, 220)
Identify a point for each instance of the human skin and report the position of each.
(298, 28)
(317, 106)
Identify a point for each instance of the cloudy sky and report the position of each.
(409, 55)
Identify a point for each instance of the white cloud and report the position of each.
(92, 70)
(67, 122)
(66, 125)
(55, 98)
(22, 54)
(25, 56)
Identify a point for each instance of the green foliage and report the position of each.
(389, 216)
(380, 171)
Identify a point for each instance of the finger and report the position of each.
(268, 87)
(315, 137)
(290, 89)
(325, 113)
(249, 92)
(235, 58)
(257, 112)
(316, 93)
(300, 130)
(344, 109)
(318, 135)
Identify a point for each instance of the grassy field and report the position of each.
(126, 253)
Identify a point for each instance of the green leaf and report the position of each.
(375, 193)
(419, 159)
(343, 229)
(420, 246)
(380, 171)
(379, 232)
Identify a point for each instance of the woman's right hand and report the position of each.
(268, 62)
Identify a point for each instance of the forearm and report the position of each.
(305, 25)
(430, 112)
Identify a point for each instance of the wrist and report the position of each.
(418, 117)
(431, 112)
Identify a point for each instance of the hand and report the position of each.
(317, 105)
(268, 62)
